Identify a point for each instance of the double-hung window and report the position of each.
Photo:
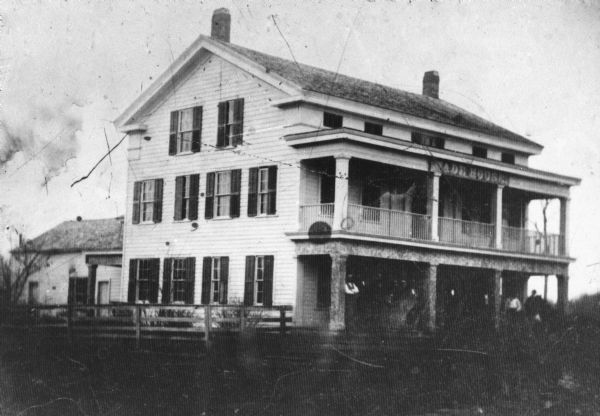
(262, 191)
(147, 201)
(223, 194)
(230, 123)
(186, 129)
(178, 280)
(215, 277)
(186, 197)
(258, 287)
(143, 280)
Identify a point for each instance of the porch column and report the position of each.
(340, 210)
(562, 283)
(337, 309)
(497, 296)
(497, 215)
(431, 296)
(433, 204)
(564, 225)
(92, 284)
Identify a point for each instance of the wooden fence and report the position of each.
(145, 321)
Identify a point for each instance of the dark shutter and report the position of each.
(249, 282)
(153, 278)
(252, 192)
(179, 187)
(268, 300)
(238, 122)
(197, 126)
(272, 208)
(224, 280)
(137, 192)
(210, 198)
(194, 187)
(206, 266)
(132, 283)
(236, 178)
(222, 122)
(166, 287)
(190, 268)
(173, 132)
(158, 193)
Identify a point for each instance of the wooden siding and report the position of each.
(213, 81)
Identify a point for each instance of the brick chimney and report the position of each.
(431, 84)
(221, 25)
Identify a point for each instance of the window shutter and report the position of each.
(268, 301)
(272, 208)
(173, 132)
(224, 280)
(191, 279)
(158, 193)
(209, 201)
(222, 122)
(236, 178)
(206, 265)
(197, 126)
(153, 278)
(131, 297)
(238, 122)
(249, 283)
(252, 192)
(166, 286)
(137, 192)
(179, 187)
(194, 187)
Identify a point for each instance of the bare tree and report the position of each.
(24, 260)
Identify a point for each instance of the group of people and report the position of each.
(535, 307)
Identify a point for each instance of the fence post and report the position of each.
(242, 318)
(138, 326)
(207, 324)
(282, 320)
(70, 323)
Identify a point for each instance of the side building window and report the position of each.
(186, 197)
(215, 277)
(262, 191)
(230, 130)
(147, 201)
(223, 194)
(78, 291)
(186, 130)
(143, 281)
(258, 286)
(179, 275)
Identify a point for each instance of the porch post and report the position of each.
(562, 283)
(433, 204)
(497, 215)
(340, 210)
(431, 296)
(92, 284)
(497, 296)
(564, 225)
(337, 309)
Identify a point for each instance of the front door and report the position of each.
(103, 294)
(34, 294)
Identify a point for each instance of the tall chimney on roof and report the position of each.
(221, 25)
(431, 84)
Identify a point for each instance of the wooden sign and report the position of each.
(474, 173)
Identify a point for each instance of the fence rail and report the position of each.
(528, 241)
(147, 321)
(388, 223)
(466, 233)
(311, 214)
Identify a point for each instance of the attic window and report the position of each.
(427, 140)
(508, 158)
(331, 120)
(479, 151)
(373, 128)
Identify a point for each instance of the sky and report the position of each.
(68, 68)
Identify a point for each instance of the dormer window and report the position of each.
(186, 128)
(508, 158)
(479, 151)
(333, 121)
(373, 128)
(231, 123)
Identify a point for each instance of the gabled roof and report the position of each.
(86, 235)
(312, 79)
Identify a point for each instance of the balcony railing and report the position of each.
(405, 225)
(466, 233)
(528, 241)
